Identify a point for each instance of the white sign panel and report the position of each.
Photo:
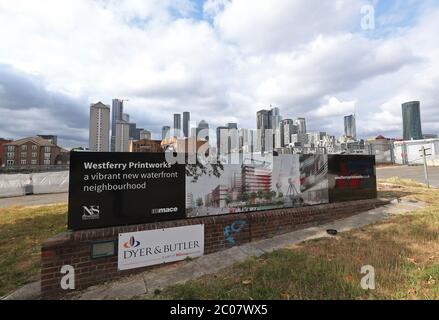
(151, 247)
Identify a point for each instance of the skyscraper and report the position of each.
(411, 118)
(276, 118)
(350, 129)
(301, 123)
(202, 131)
(137, 133)
(116, 115)
(186, 120)
(177, 124)
(99, 131)
(288, 128)
(227, 138)
(220, 140)
(263, 124)
(165, 132)
(122, 136)
(133, 127)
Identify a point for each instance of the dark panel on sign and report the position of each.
(112, 189)
(351, 177)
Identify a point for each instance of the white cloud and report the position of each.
(335, 107)
(305, 56)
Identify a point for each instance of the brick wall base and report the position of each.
(74, 247)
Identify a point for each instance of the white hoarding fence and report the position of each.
(151, 247)
(12, 185)
(407, 152)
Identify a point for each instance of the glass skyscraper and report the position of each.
(350, 127)
(411, 118)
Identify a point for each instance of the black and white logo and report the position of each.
(90, 212)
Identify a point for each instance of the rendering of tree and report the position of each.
(197, 170)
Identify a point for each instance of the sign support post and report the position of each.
(424, 156)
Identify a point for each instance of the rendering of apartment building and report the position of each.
(219, 196)
(256, 177)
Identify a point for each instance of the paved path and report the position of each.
(34, 200)
(415, 173)
(144, 285)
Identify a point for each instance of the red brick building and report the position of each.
(146, 145)
(2, 153)
(33, 151)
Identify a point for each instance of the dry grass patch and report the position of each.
(22, 230)
(403, 251)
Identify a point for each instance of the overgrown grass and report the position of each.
(404, 251)
(22, 230)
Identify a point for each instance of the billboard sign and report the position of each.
(258, 183)
(351, 177)
(111, 189)
(152, 247)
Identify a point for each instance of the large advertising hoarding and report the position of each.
(111, 189)
(258, 183)
(151, 247)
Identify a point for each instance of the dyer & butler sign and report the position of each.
(151, 247)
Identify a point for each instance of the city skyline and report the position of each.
(200, 56)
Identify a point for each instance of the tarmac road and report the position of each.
(415, 173)
(34, 200)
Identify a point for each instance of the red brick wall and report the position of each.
(74, 248)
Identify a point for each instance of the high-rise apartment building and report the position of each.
(263, 124)
(227, 138)
(268, 122)
(276, 118)
(186, 120)
(301, 123)
(202, 130)
(99, 127)
(122, 141)
(137, 133)
(288, 128)
(411, 118)
(116, 115)
(177, 125)
(133, 127)
(350, 129)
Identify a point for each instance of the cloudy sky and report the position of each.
(222, 60)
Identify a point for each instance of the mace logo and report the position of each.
(90, 212)
(132, 243)
(164, 210)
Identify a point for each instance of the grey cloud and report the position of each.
(32, 109)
